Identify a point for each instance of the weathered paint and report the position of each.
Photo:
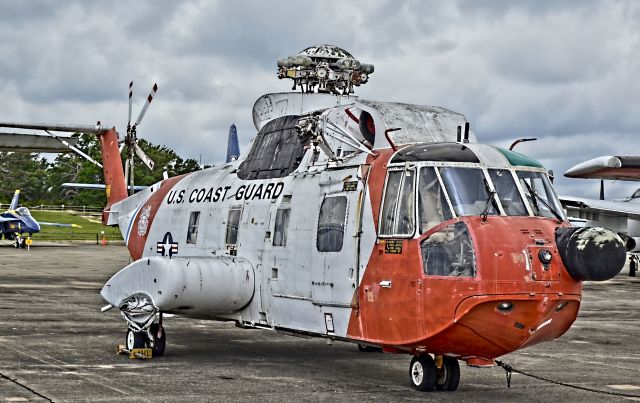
(374, 289)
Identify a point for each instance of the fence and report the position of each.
(59, 207)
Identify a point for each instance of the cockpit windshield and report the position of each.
(508, 193)
(23, 211)
(468, 191)
(540, 194)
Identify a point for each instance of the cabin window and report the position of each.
(432, 204)
(232, 225)
(449, 252)
(540, 194)
(508, 192)
(331, 224)
(468, 191)
(281, 226)
(192, 230)
(398, 206)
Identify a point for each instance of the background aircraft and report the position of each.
(17, 221)
(622, 215)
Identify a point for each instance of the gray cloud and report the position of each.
(563, 71)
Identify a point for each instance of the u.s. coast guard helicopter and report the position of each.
(377, 223)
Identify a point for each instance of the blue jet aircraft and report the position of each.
(17, 221)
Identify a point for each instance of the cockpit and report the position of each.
(428, 185)
(23, 211)
(421, 194)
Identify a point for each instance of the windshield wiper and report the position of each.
(535, 197)
(488, 203)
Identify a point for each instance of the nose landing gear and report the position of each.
(153, 337)
(426, 374)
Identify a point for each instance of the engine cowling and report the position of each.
(591, 253)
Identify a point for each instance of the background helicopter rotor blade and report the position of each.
(75, 149)
(146, 104)
(143, 156)
(130, 96)
(126, 172)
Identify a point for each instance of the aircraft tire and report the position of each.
(134, 339)
(369, 349)
(422, 373)
(448, 377)
(159, 339)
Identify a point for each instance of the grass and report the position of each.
(90, 226)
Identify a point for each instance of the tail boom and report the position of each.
(115, 186)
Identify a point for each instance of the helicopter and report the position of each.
(383, 224)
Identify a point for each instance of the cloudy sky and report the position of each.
(566, 72)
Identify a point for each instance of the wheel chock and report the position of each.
(142, 353)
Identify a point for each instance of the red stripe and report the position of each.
(136, 242)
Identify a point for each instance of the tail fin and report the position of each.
(14, 201)
(115, 186)
(233, 149)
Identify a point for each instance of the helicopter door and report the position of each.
(334, 274)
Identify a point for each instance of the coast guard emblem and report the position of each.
(143, 224)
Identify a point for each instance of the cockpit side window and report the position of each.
(398, 209)
(539, 193)
(467, 189)
(508, 192)
(432, 204)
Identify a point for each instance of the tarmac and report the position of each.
(56, 345)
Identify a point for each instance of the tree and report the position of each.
(24, 171)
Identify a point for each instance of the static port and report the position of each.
(561, 306)
(505, 306)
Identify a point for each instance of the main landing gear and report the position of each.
(21, 242)
(427, 374)
(154, 338)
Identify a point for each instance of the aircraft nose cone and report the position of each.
(591, 253)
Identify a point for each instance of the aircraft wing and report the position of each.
(628, 209)
(7, 219)
(608, 167)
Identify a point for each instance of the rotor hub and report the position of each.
(325, 68)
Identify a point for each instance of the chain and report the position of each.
(509, 369)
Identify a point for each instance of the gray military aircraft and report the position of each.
(622, 215)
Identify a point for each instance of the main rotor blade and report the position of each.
(146, 104)
(77, 150)
(96, 129)
(130, 95)
(144, 157)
